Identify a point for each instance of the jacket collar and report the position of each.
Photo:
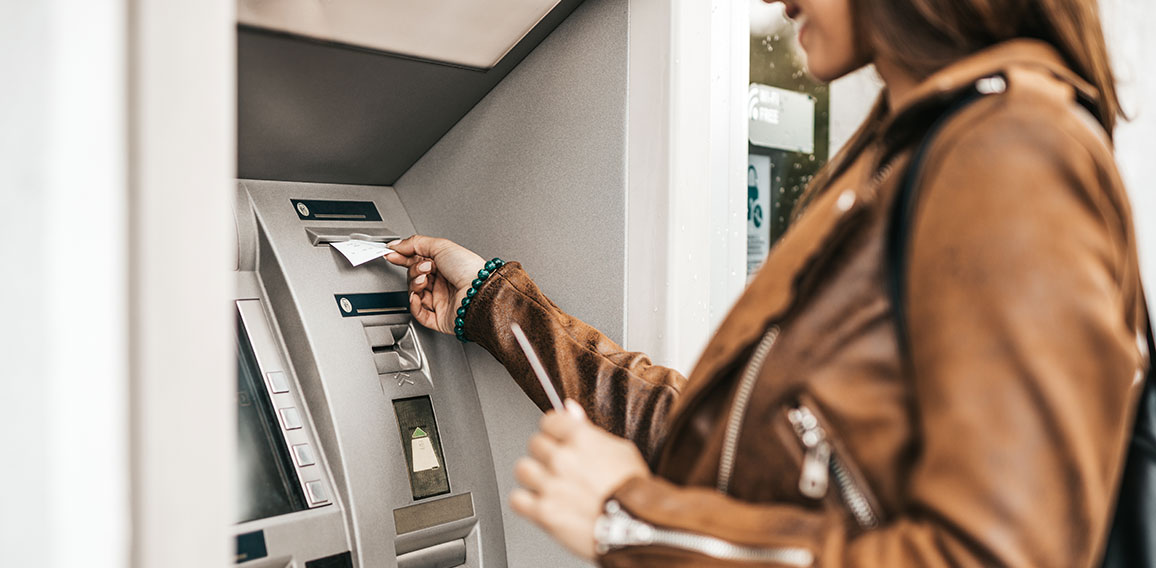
(945, 85)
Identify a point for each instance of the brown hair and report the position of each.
(924, 36)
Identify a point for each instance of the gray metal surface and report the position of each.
(536, 173)
(320, 112)
(348, 402)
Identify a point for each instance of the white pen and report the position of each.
(536, 365)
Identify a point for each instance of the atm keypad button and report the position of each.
(278, 382)
(315, 491)
(303, 454)
(291, 418)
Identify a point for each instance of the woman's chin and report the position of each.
(823, 75)
(826, 73)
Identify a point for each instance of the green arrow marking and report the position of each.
(419, 433)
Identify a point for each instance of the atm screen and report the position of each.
(266, 482)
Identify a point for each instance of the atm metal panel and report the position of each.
(351, 402)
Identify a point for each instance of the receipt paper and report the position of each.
(361, 252)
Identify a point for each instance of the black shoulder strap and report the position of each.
(903, 209)
(1132, 540)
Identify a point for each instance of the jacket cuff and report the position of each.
(485, 316)
(704, 511)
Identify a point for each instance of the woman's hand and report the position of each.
(573, 468)
(440, 273)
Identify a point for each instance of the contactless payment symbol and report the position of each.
(346, 305)
(302, 209)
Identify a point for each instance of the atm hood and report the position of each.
(356, 91)
(462, 32)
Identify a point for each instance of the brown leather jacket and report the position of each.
(802, 437)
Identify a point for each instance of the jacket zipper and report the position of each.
(819, 462)
(618, 529)
(726, 466)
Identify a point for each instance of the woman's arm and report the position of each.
(621, 391)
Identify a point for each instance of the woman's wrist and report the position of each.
(483, 274)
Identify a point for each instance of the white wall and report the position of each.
(117, 378)
(63, 298)
(686, 174)
(1127, 24)
(181, 159)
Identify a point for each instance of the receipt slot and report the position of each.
(361, 439)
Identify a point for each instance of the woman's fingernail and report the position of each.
(574, 408)
(392, 243)
(425, 266)
(419, 280)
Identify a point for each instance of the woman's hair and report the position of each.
(924, 36)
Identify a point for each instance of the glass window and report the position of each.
(789, 119)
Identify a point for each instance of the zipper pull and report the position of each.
(816, 464)
(617, 528)
(816, 472)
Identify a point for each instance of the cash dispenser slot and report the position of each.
(321, 236)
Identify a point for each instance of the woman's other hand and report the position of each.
(440, 273)
(573, 468)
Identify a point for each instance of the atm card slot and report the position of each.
(394, 348)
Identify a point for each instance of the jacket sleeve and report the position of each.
(622, 391)
(1023, 312)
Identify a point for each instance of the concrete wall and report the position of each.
(536, 173)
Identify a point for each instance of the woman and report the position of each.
(806, 435)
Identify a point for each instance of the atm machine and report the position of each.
(361, 440)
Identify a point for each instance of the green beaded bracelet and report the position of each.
(483, 274)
